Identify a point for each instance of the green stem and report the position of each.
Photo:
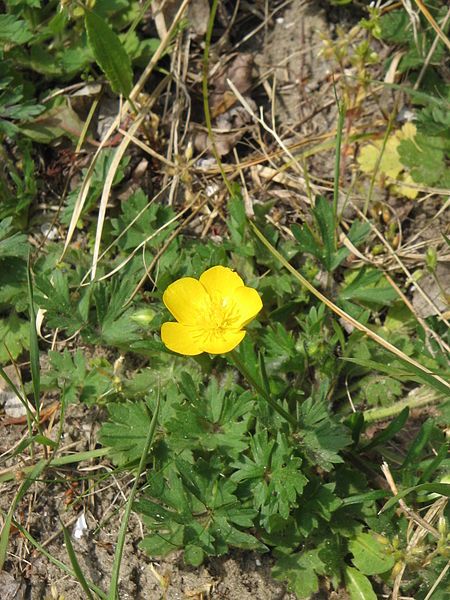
(386, 412)
(57, 462)
(337, 164)
(236, 360)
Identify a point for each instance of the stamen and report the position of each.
(220, 316)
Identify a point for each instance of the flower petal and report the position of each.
(226, 342)
(186, 299)
(220, 281)
(180, 338)
(248, 304)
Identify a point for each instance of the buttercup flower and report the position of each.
(211, 312)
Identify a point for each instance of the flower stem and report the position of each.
(256, 385)
(422, 397)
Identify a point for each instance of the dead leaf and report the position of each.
(434, 290)
(228, 129)
(164, 12)
(59, 121)
(239, 72)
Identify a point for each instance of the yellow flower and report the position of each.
(211, 312)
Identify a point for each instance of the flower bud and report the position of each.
(144, 316)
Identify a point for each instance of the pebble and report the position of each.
(13, 406)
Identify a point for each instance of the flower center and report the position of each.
(221, 315)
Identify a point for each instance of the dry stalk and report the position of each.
(404, 507)
(402, 266)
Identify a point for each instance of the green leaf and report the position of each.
(126, 431)
(140, 220)
(379, 390)
(194, 555)
(54, 296)
(273, 473)
(324, 215)
(14, 335)
(369, 287)
(109, 53)
(214, 418)
(301, 571)
(388, 433)
(370, 556)
(194, 506)
(78, 379)
(442, 489)
(419, 443)
(307, 241)
(358, 586)
(14, 30)
(12, 245)
(320, 437)
(424, 156)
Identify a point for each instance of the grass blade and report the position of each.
(25, 486)
(113, 588)
(388, 433)
(75, 564)
(34, 346)
(54, 560)
(437, 488)
(425, 375)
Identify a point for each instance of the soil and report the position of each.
(30, 575)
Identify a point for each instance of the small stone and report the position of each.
(13, 406)
(49, 231)
(80, 527)
(5, 389)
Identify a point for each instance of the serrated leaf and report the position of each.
(126, 431)
(379, 390)
(12, 244)
(215, 418)
(321, 438)
(301, 572)
(14, 30)
(109, 53)
(274, 475)
(195, 507)
(14, 336)
(139, 219)
(425, 158)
